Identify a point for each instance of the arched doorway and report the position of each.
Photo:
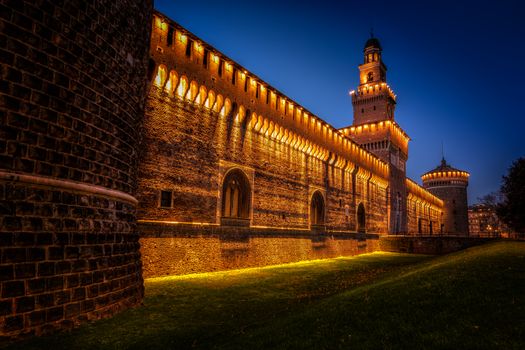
(361, 218)
(236, 199)
(317, 209)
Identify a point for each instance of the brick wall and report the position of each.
(455, 213)
(170, 249)
(72, 96)
(429, 245)
(189, 146)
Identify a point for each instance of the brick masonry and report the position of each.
(169, 249)
(429, 245)
(206, 115)
(72, 98)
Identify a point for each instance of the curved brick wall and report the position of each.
(72, 96)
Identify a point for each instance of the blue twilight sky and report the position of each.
(457, 68)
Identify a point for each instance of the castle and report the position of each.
(145, 152)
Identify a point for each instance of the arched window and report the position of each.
(236, 195)
(370, 77)
(361, 218)
(317, 209)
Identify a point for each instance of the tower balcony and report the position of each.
(370, 90)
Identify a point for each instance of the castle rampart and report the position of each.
(224, 151)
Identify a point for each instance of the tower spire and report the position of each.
(443, 161)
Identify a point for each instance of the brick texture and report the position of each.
(72, 98)
(169, 249)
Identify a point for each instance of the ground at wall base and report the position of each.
(379, 300)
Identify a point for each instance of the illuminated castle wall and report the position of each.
(223, 151)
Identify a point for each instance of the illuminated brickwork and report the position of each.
(72, 91)
(173, 249)
(450, 185)
(207, 116)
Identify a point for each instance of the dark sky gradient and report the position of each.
(457, 68)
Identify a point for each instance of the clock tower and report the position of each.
(375, 129)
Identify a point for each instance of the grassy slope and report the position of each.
(471, 299)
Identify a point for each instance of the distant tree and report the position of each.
(512, 209)
(491, 200)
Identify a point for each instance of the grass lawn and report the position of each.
(473, 299)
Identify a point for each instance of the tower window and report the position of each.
(246, 84)
(165, 199)
(370, 77)
(257, 90)
(362, 110)
(234, 76)
(205, 59)
(189, 45)
(267, 96)
(170, 35)
(220, 68)
(374, 108)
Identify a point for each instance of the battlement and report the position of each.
(387, 129)
(417, 192)
(189, 69)
(371, 90)
(448, 175)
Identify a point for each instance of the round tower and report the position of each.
(74, 77)
(450, 185)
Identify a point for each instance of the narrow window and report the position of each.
(205, 58)
(277, 103)
(220, 67)
(374, 108)
(362, 110)
(267, 96)
(257, 90)
(246, 84)
(165, 199)
(170, 35)
(189, 45)
(234, 76)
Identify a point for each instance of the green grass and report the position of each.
(472, 299)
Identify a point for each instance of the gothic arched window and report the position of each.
(236, 195)
(361, 218)
(317, 209)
